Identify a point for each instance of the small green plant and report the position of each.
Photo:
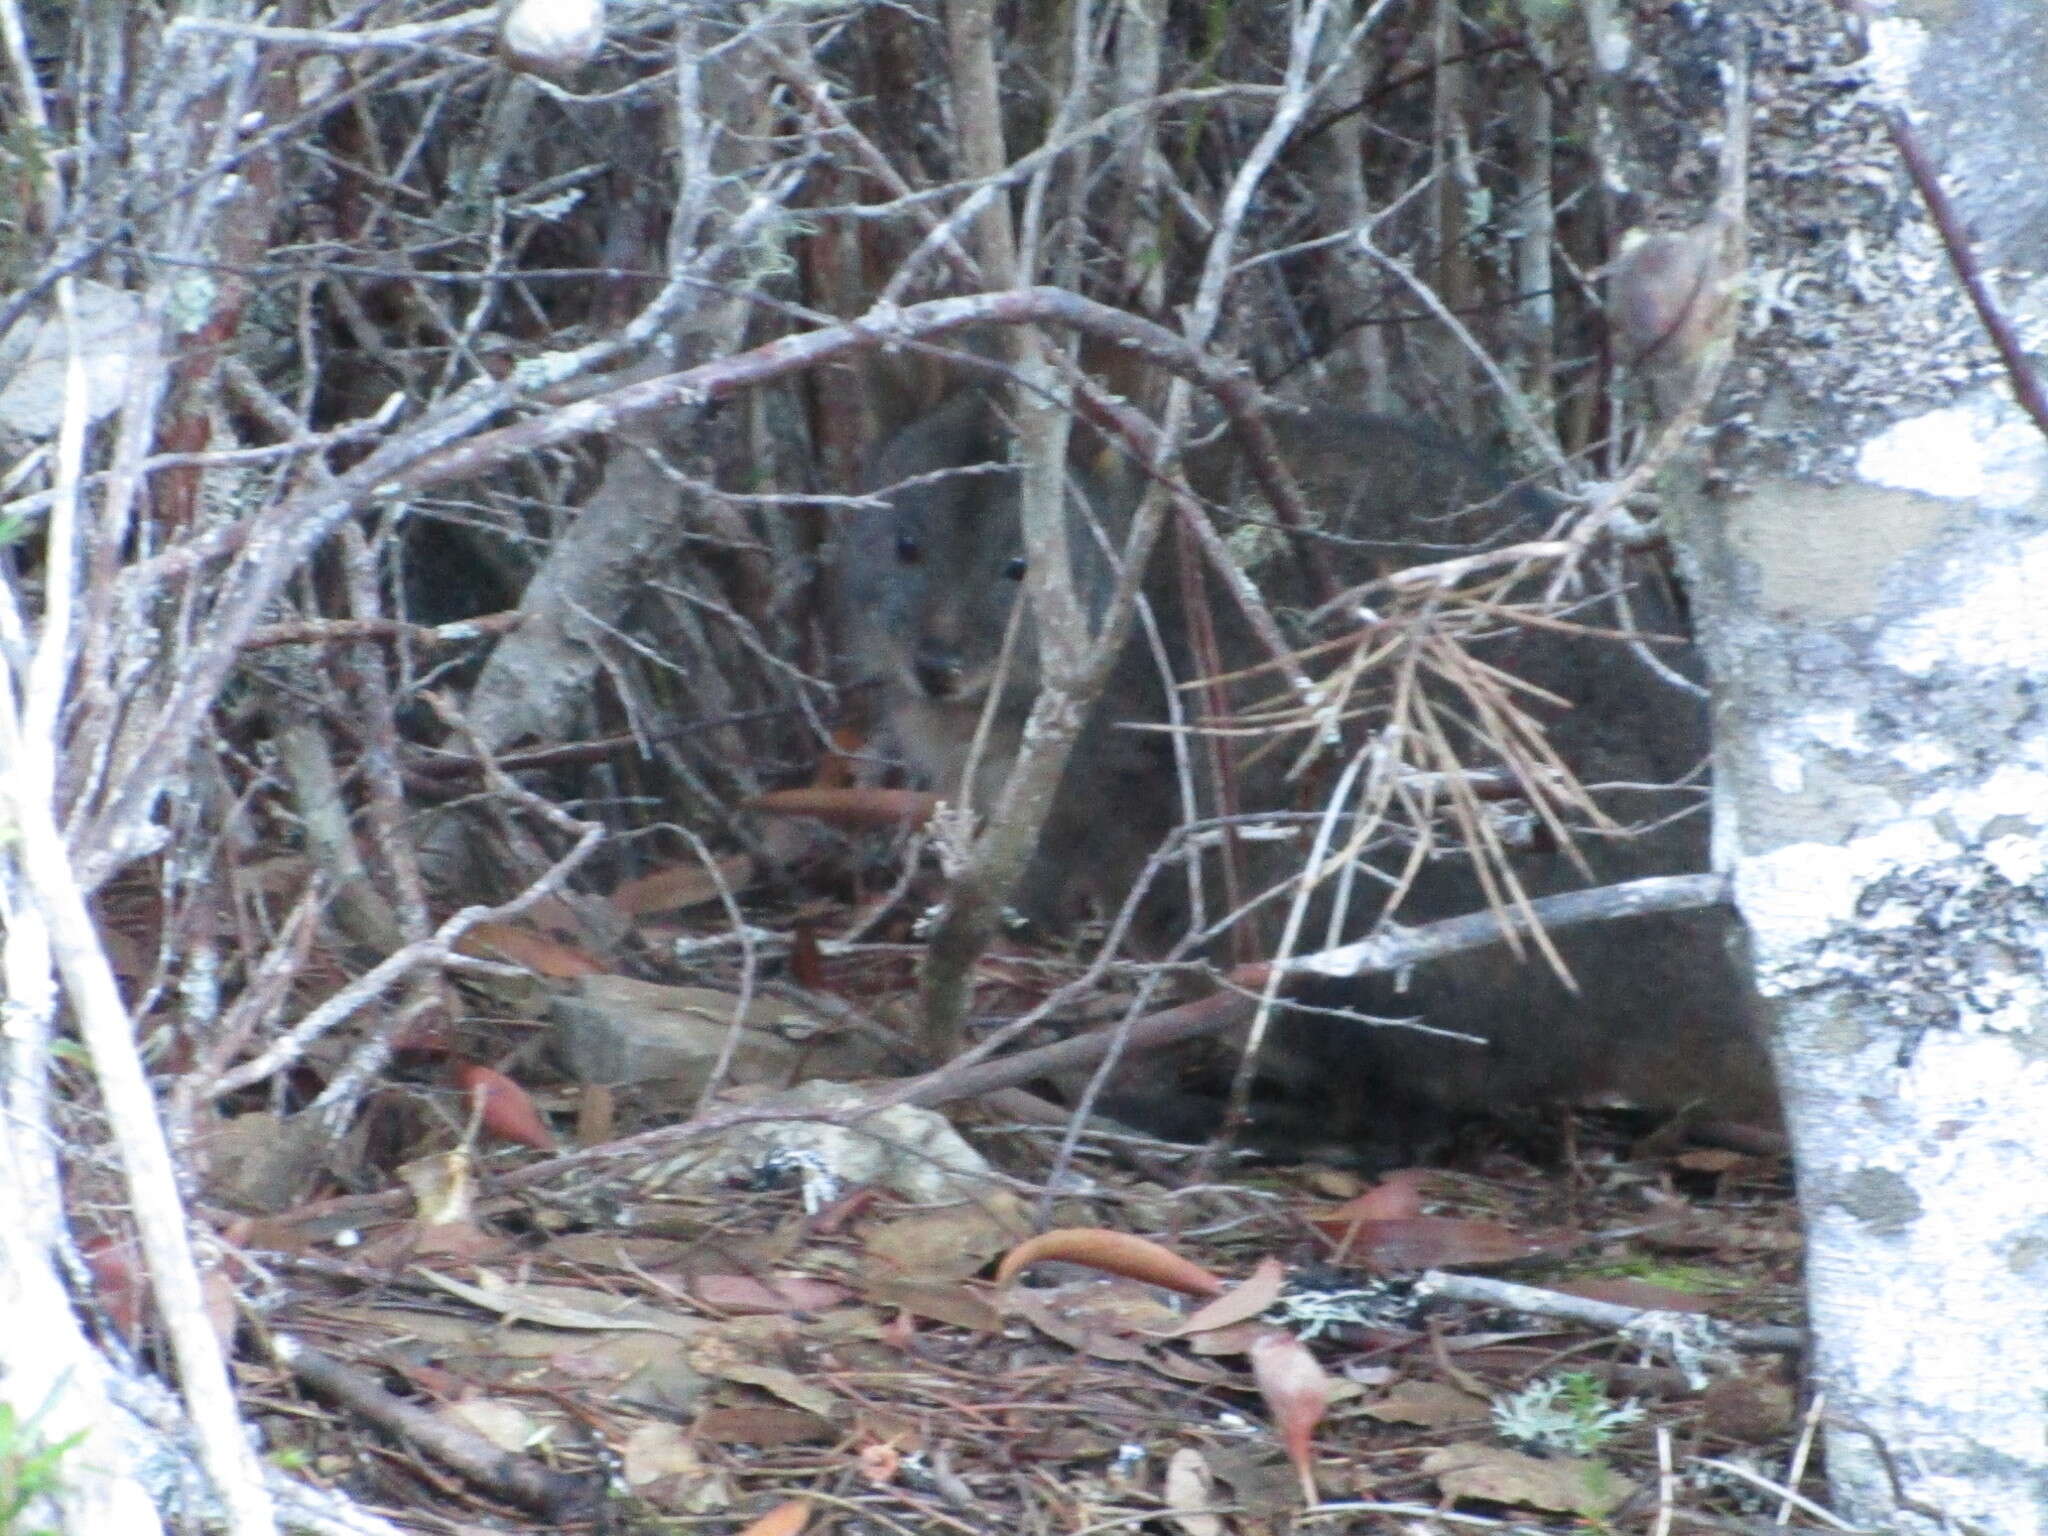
(29, 1468)
(1569, 1413)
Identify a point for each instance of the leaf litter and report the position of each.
(744, 1347)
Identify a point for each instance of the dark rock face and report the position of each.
(1660, 1017)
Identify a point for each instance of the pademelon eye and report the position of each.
(908, 550)
(1014, 570)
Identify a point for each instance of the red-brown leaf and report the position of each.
(1117, 1253)
(1296, 1390)
(687, 884)
(783, 1520)
(806, 960)
(521, 946)
(855, 809)
(118, 1285)
(506, 1109)
(1428, 1242)
(1396, 1197)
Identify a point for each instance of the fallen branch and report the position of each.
(517, 1480)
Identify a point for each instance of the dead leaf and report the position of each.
(880, 1465)
(522, 946)
(1396, 1197)
(732, 1352)
(1431, 1242)
(786, 1293)
(1109, 1320)
(806, 959)
(947, 1243)
(613, 1250)
(941, 1301)
(783, 1520)
(856, 809)
(563, 1306)
(1237, 1339)
(443, 1187)
(1116, 1253)
(1241, 1303)
(687, 884)
(657, 1449)
(1756, 1408)
(504, 1108)
(1567, 1485)
(1190, 1493)
(118, 1286)
(220, 1301)
(511, 1429)
(1430, 1404)
(1297, 1392)
(763, 1424)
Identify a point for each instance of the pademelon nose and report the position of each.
(937, 669)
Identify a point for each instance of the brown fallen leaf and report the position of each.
(118, 1286)
(1757, 1407)
(503, 1108)
(1189, 1493)
(855, 809)
(1430, 1404)
(784, 1293)
(1241, 1303)
(655, 1450)
(686, 884)
(1432, 1242)
(1297, 1392)
(880, 1465)
(783, 1520)
(1560, 1484)
(522, 946)
(1094, 1319)
(1396, 1197)
(940, 1301)
(762, 1424)
(944, 1242)
(1116, 1253)
(806, 959)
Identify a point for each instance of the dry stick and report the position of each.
(1075, 665)
(156, 1202)
(277, 543)
(1297, 92)
(518, 1480)
(350, 631)
(406, 35)
(750, 965)
(338, 1100)
(1110, 414)
(1538, 1302)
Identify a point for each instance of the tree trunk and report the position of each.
(1881, 780)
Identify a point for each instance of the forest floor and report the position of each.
(807, 1324)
